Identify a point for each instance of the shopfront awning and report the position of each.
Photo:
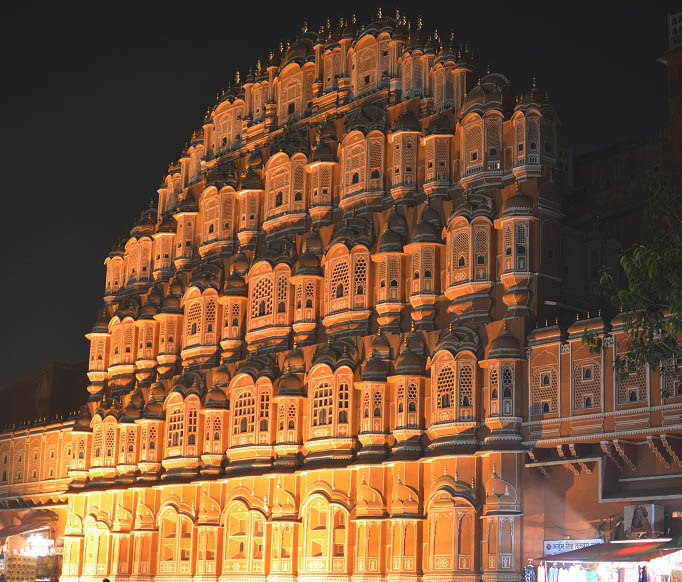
(633, 551)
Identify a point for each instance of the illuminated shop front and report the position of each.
(645, 560)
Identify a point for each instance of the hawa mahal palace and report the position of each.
(330, 352)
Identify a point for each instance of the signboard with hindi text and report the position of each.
(554, 547)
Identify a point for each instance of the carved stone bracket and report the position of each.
(533, 454)
(673, 447)
(658, 451)
(607, 448)
(624, 450)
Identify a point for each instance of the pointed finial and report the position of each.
(556, 320)
(281, 46)
(412, 325)
(494, 470)
(534, 83)
(488, 69)
(577, 316)
(328, 23)
(456, 476)
(379, 15)
(478, 82)
(450, 326)
(399, 481)
(445, 471)
(419, 23)
(353, 19)
(258, 65)
(304, 28)
(599, 312)
(397, 16)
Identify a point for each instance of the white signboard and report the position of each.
(554, 547)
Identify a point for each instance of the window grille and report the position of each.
(244, 413)
(322, 405)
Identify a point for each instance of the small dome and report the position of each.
(221, 376)
(153, 410)
(255, 160)
(131, 412)
(327, 131)
(155, 296)
(251, 181)
(409, 363)
(240, 263)
(390, 241)
(375, 370)
(235, 285)
(504, 346)
(168, 224)
(188, 204)
(425, 232)
(83, 420)
(176, 287)
(216, 398)
(294, 361)
(381, 347)
(137, 399)
(313, 243)
(440, 126)
(158, 392)
(396, 222)
(101, 322)
(406, 122)
(324, 152)
(430, 215)
(307, 264)
(148, 311)
(290, 385)
(518, 205)
(345, 358)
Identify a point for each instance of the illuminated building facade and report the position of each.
(318, 358)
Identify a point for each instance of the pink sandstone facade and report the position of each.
(324, 355)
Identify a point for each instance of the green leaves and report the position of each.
(651, 300)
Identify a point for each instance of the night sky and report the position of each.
(99, 97)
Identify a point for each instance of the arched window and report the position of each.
(445, 387)
(339, 291)
(244, 413)
(322, 404)
(176, 427)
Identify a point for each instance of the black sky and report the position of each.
(99, 97)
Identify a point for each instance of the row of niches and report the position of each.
(339, 276)
(401, 519)
(310, 78)
(370, 154)
(310, 405)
